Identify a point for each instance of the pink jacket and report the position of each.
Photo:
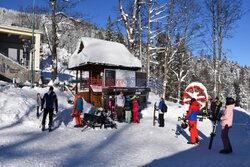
(227, 117)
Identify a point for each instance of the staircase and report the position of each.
(10, 69)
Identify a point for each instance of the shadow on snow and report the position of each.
(199, 155)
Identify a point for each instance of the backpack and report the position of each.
(164, 108)
(127, 105)
(79, 102)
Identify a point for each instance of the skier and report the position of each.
(215, 108)
(119, 102)
(226, 123)
(162, 109)
(192, 121)
(128, 108)
(77, 110)
(135, 111)
(49, 103)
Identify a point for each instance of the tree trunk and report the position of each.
(76, 81)
(54, 56)
(140, 33)
(148, 43)
(214, 51)
(129, 27)
(219, 30)
(168, 50)
(180, 79)
(166, 68)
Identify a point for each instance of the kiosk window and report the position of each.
(110, 78)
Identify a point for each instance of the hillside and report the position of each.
(22, 143)
(235, 79)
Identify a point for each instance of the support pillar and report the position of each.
(76, 81)
(80, 80)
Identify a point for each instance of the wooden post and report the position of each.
(80, 79)
(76, 81)
(90, 75)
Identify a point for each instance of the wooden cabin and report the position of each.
(111, 69)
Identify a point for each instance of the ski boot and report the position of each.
(197, 140)
(43, 127)
(189, 142)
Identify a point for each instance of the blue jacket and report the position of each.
(49, 101)
(128, 105)
(160, 107)
(160, 104)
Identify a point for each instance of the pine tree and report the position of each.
(110, 29)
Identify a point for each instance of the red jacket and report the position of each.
(135, 105)
(193, 111)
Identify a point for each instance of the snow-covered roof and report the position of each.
(101, 52)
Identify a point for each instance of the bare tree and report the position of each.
(170, 51)
(156, 13)
(188, 29)
(228, 13)
(223, 15)
(58, 9)
(130, 24)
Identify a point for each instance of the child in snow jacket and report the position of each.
(192, 121)
(128, 108)
(77, 109)
(135, 111)
(38, 104)
(226, 123)
(161, 114)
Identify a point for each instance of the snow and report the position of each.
(103, 52)
(22, 143)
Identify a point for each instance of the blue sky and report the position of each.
(236, 48)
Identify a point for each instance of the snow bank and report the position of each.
(19, 104)
(103, 52)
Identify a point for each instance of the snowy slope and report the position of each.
(23, 144)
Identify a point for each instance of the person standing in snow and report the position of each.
(192, 121)
(215, 108)
(38, 103)
(49, 103)
(161, 109)
(135, 110)
(119, 102)
(77, 110)
(128, 107)
(226, 122)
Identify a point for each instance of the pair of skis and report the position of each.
(213, 133)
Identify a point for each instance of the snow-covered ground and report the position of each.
(22, 143)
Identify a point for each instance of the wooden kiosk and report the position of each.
(111, 69)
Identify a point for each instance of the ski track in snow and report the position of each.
(22, 143)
